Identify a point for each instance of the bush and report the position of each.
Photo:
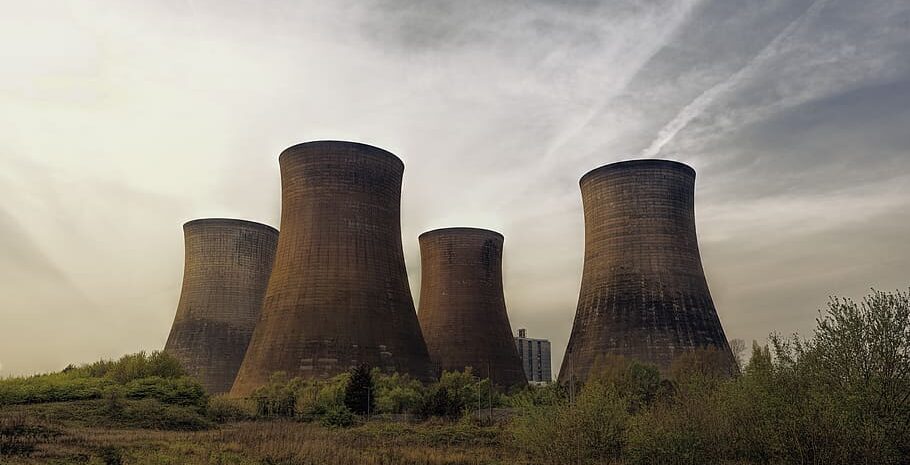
(157, 373)
(338, 416)
(639, 383)
(50, 388)
(276, 399)
(396, 393)
(536, 396)
(455, 393)
(130, 367)
(438, 401)
(837, 397)
(223, 409)
(178, 391)
(677, 432)
(153, 414)
(289, 398)
(592, 430)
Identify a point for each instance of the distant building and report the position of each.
(535, 358)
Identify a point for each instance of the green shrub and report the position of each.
(455, 393)
(178, 391)
(314, 397)
(130, 367)
(157, 373)
(396, 393)
(440, 402)
(288, 398)
(223, 409)
(54, 387)
(338, 416)
(837, 397)
(592, 430)
(278, 398)
(678, 432)
(639, 383)
(535, 396)
(153, 414)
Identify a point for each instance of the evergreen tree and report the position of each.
(359, 396)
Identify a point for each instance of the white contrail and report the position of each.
(702, 102)
(649, 51)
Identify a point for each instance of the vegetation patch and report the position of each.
(839, 396)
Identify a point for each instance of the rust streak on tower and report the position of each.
(339, 294)
(462, 307)
(643, 291)
(226, 271)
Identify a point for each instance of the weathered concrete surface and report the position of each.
(643, 291)
(462, 307)
(226, 272)
(339, 293)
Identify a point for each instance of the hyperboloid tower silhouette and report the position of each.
(643, 291)
(226, 271)
(338, 296)
(462, 307)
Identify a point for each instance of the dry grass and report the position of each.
(277, 443)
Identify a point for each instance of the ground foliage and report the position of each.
(839, 396)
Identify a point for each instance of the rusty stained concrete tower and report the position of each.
(339, 294)
(226, 271)
(462, 308)
(643, 291)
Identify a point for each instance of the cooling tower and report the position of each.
(462, 308)
(643, 290)
(225, 275)
(339, 295)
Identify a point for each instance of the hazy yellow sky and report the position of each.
(123, 119)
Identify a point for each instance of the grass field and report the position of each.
(262, 442)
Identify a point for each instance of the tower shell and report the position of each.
(338, 295)
(226, 270)
(643, 294)
(462, 307)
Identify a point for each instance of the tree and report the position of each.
(864, 350)
(359, 396)
(738, 347)
(851, 380)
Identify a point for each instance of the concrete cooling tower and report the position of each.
(225, 275)
(338, 295)
(643, 291)
(462, 308)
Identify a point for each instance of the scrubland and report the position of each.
(839, 396)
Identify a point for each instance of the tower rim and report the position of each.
(637, 163)
(228, 221)
(319, 146)
(456, 229)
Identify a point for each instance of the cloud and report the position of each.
(845, 47)
(125, 120)
(696, 107)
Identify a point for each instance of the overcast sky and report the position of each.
(123, 119)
